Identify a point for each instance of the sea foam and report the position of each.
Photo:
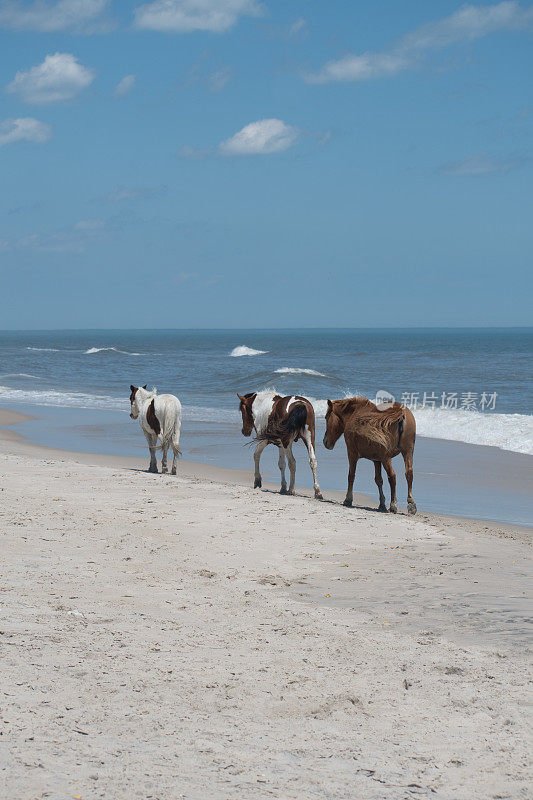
(243, 350)
(507, 431)
(50, 397)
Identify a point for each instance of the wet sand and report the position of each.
(172, 638)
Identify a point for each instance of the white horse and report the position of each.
(160, 418)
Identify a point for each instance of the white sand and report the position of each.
(169, 638)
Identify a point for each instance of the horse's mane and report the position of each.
(367, 420)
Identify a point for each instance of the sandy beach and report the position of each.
(192, 638)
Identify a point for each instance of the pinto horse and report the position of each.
(280, 421)
(160, 418)
(376, 434)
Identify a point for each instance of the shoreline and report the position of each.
(239, 477)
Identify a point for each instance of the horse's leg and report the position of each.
(292, 467)
(175, 447)
(408, 458)
(257, 455)
(152, 441)
(387, 463)
(306, 436)
(164, 450)
(352, 461)
(379, 482)
(281, 464)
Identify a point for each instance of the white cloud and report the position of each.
(125, 85)
(465, 25)
(59, 77)
(185, 16)
(297, 27)
(480, 165)
(24, 129)
(263, 136)
(78, 16)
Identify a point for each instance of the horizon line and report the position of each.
(292, 328)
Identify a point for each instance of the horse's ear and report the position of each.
(241, 398)
(330, 404)
(145, 385)
(132, 387)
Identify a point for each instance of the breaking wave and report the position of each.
(243, 350)
(20, 375)
(50, 397)
(93, 350)
(299, 371)
(507, 431)
(44, 349)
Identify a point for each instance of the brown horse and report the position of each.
(376, 434)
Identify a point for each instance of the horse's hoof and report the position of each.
(173, 472)
(153, 471)
(291, 492)
(164, 470)
(318, 496)
(283, 490)
(411, 508)
(393, 508)
(383, 509)
(257, 483)
(348, 503)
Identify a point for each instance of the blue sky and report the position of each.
(236, 163)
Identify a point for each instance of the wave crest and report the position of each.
(243, 350)
(93, 350)
(299, 371)
(21, 375)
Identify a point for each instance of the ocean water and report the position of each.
(469, 386)
(93, 369)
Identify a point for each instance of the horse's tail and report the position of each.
(283, 430)
(400, 429)
(171, 428)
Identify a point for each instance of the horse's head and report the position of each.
(334, 426)
(134, 400)
(245, 407)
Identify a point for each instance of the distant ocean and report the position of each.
(477, 384)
